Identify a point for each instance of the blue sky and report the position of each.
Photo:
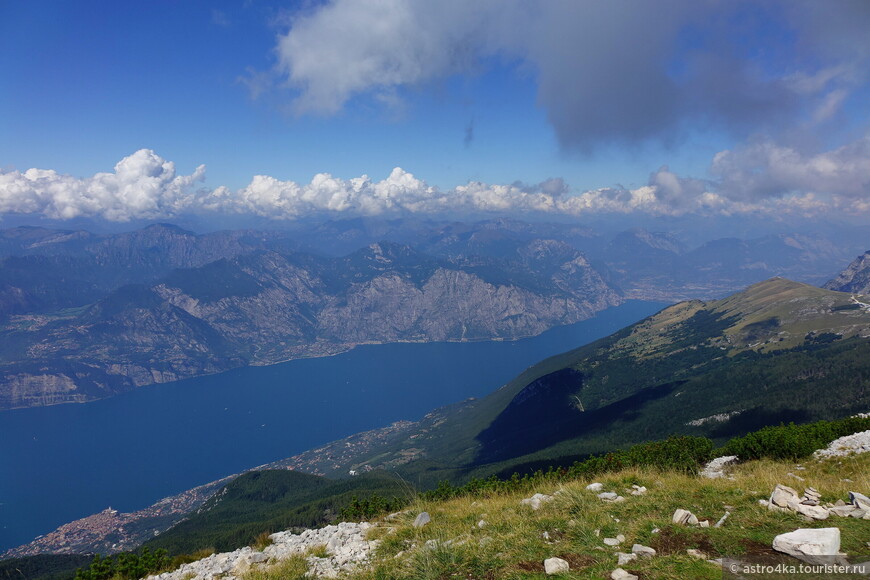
(496, 107)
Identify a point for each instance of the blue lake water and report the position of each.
(65, 462)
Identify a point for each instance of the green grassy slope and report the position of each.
(778, 351)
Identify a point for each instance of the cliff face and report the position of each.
(265, 307)
(855, 278)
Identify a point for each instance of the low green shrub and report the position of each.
(126, 565)
(370, 507)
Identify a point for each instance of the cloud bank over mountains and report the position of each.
(758, 178)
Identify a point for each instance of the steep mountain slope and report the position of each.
(265, 307)
(855, 278)
(780, 350)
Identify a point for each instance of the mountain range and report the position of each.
(84, 316)
(777, 351)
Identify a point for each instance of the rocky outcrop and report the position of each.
(345, 545)
(855, 278)
(855, 443)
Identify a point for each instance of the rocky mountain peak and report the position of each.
(855, 278)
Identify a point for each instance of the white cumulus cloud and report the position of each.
(143, 185)
(761, 177)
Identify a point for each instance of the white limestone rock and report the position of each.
(643, 551)
(716, 468)
(556, 566)
(620, 574)
(422, 519)
(683, 517)
(537, 500)
(817, 545)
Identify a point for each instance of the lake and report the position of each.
(61, 463)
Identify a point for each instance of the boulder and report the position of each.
(684, 518)
(842, 510)
(422, 519)
(817, 545)
(781, 495)
(643, 551)
(555, 566)
(596, 487)
(859, 500)
(620, 574)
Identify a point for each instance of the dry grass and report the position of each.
(294, 568)
(513, 543)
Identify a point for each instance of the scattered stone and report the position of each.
(696, 553)
(481, 524)
(704, 523)
(684, 518)
(555, 566)
(811, 497)
(797, 477)
(716, 468)
(859, 500)
(536, 500)
(763, 503)
(722, 520)
(608, 495)
(638, 490)
(620, 574)
(786, 498)
(596, 487)
(643, 551)
(422, 519)
(808, 544)
(623, 558)
(612, 541)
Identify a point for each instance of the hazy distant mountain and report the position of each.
(265, 307)
(83, 315)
